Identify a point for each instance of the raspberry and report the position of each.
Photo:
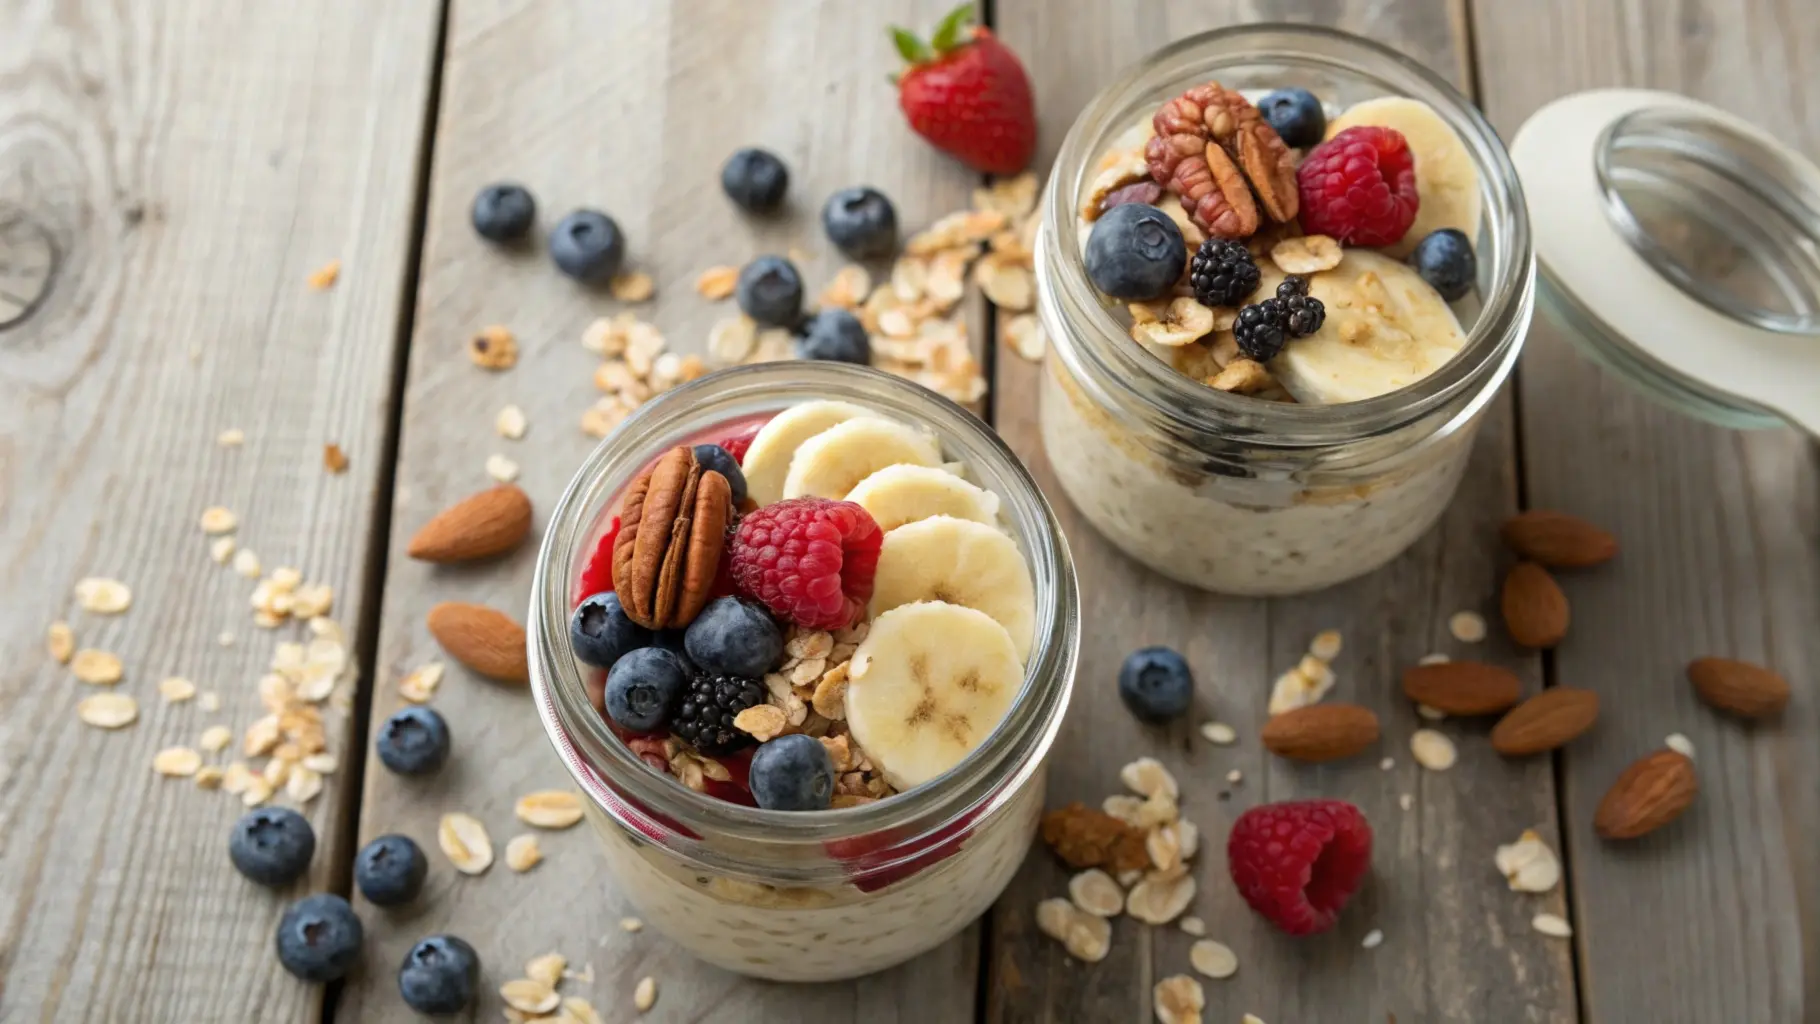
(740, 440)
(1297, 863)
(809, 560)
(1359, 187)
(598, 576)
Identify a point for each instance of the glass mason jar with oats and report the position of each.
(1252, 448)
(936, 691)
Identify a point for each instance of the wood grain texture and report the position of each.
(1716, 916)
(630, 107)
(1457, 944)
(190, 164)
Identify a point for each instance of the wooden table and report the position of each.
(190, 163)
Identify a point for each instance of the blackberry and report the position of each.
(1262, 329)
(1223, 273)
(1305, 314)
(705, 720)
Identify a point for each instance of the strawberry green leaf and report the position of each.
(948, 33)
(910, 47)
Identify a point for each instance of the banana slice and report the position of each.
(767, 461)
(833, 462)
(960, 562)
(904, 493)
(1447, 180)
(1386, 329)
(928, 685)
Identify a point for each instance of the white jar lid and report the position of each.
(1687, 235)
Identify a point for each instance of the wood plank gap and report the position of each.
(373, 575)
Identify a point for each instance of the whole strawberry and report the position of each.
(968, 95)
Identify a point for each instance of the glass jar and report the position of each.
(807, 896)
(1236, 494)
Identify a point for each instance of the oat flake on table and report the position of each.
(465, 842)
(645, 995)
(1433, 750)
(103, 596)
(523, 852)
(549, 808)
(1467, 627)
(530, 996)
(97, 668)
(108, 710)
(1214, 959)
(60, 642)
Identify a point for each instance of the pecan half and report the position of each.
(672, 532)
(1213, 148)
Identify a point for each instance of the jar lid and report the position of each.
(1687, 236)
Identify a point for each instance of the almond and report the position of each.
(1652, 792)
(1321, 732)
(1558, 540)
(487, 641)
(478, 526)
(1535, 609)
(1463, 687)
(1739, 687)
(1548, 720)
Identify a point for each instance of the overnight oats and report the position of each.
(1284, 271)
(804, 633)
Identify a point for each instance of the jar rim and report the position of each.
(612, 773)
(1205, 415)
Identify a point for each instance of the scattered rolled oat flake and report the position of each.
(1214, 959)
(717, 283)
(1432, 714)
(60, 642)
(303, 785)
(1027, 337)
(501, 468)
(1095, 892)
(108, 710)
(1680, 744)
(1436, 658)
(1235, 776)
(1146, 776)
(334, 459)
(1192, 926)
(1553, 925)
(1179, 999)
(636, 286)
(1086, 937)
(246, 563)
(1387, 764)
(1373, 939)
(631, 925)
(103, 596)
(176, 689)
(98, 668)
(1528, 864)
(323, 277)
(323, 763)
(645, 995)
(523, 852)
(530, 996)
(176, 761)
(1466, 627)
(216, 738)
(221, 549)
(576, 1010)
(257, 791)
(419, 685)
(1406, 800)
(464, 841)
(1219, 733)
(1326, 644)
(1160, 902)
(549, 808)
(216, 519)
(547, 968)
(1432, 750)
(232, 437)
(510, 423)
(494, 348)
(209, 777)
(1251, 1018)
(209, 700)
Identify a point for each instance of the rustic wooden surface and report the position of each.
(1714, 918)
(1457, 944)
(177, 309)
(191, 180)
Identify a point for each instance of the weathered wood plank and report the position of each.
(191, 164)
(1714, 917)
(630, 107)
(1457, 944)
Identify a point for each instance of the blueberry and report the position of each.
(390, 870)
(319, 937)
(441, 974)
(1445, 260)
(671, 640)
(272, 845)
(503, 212)
(837, 336)
(601, 633)
(732, 637)
(1155, 684)
(755, 179)
(644, 688)
(588, 246)
(792, 773)
(414, 741)
(1135, 252)
(861, 223)
(1296, 115)
(720, 460)
(770, 291)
